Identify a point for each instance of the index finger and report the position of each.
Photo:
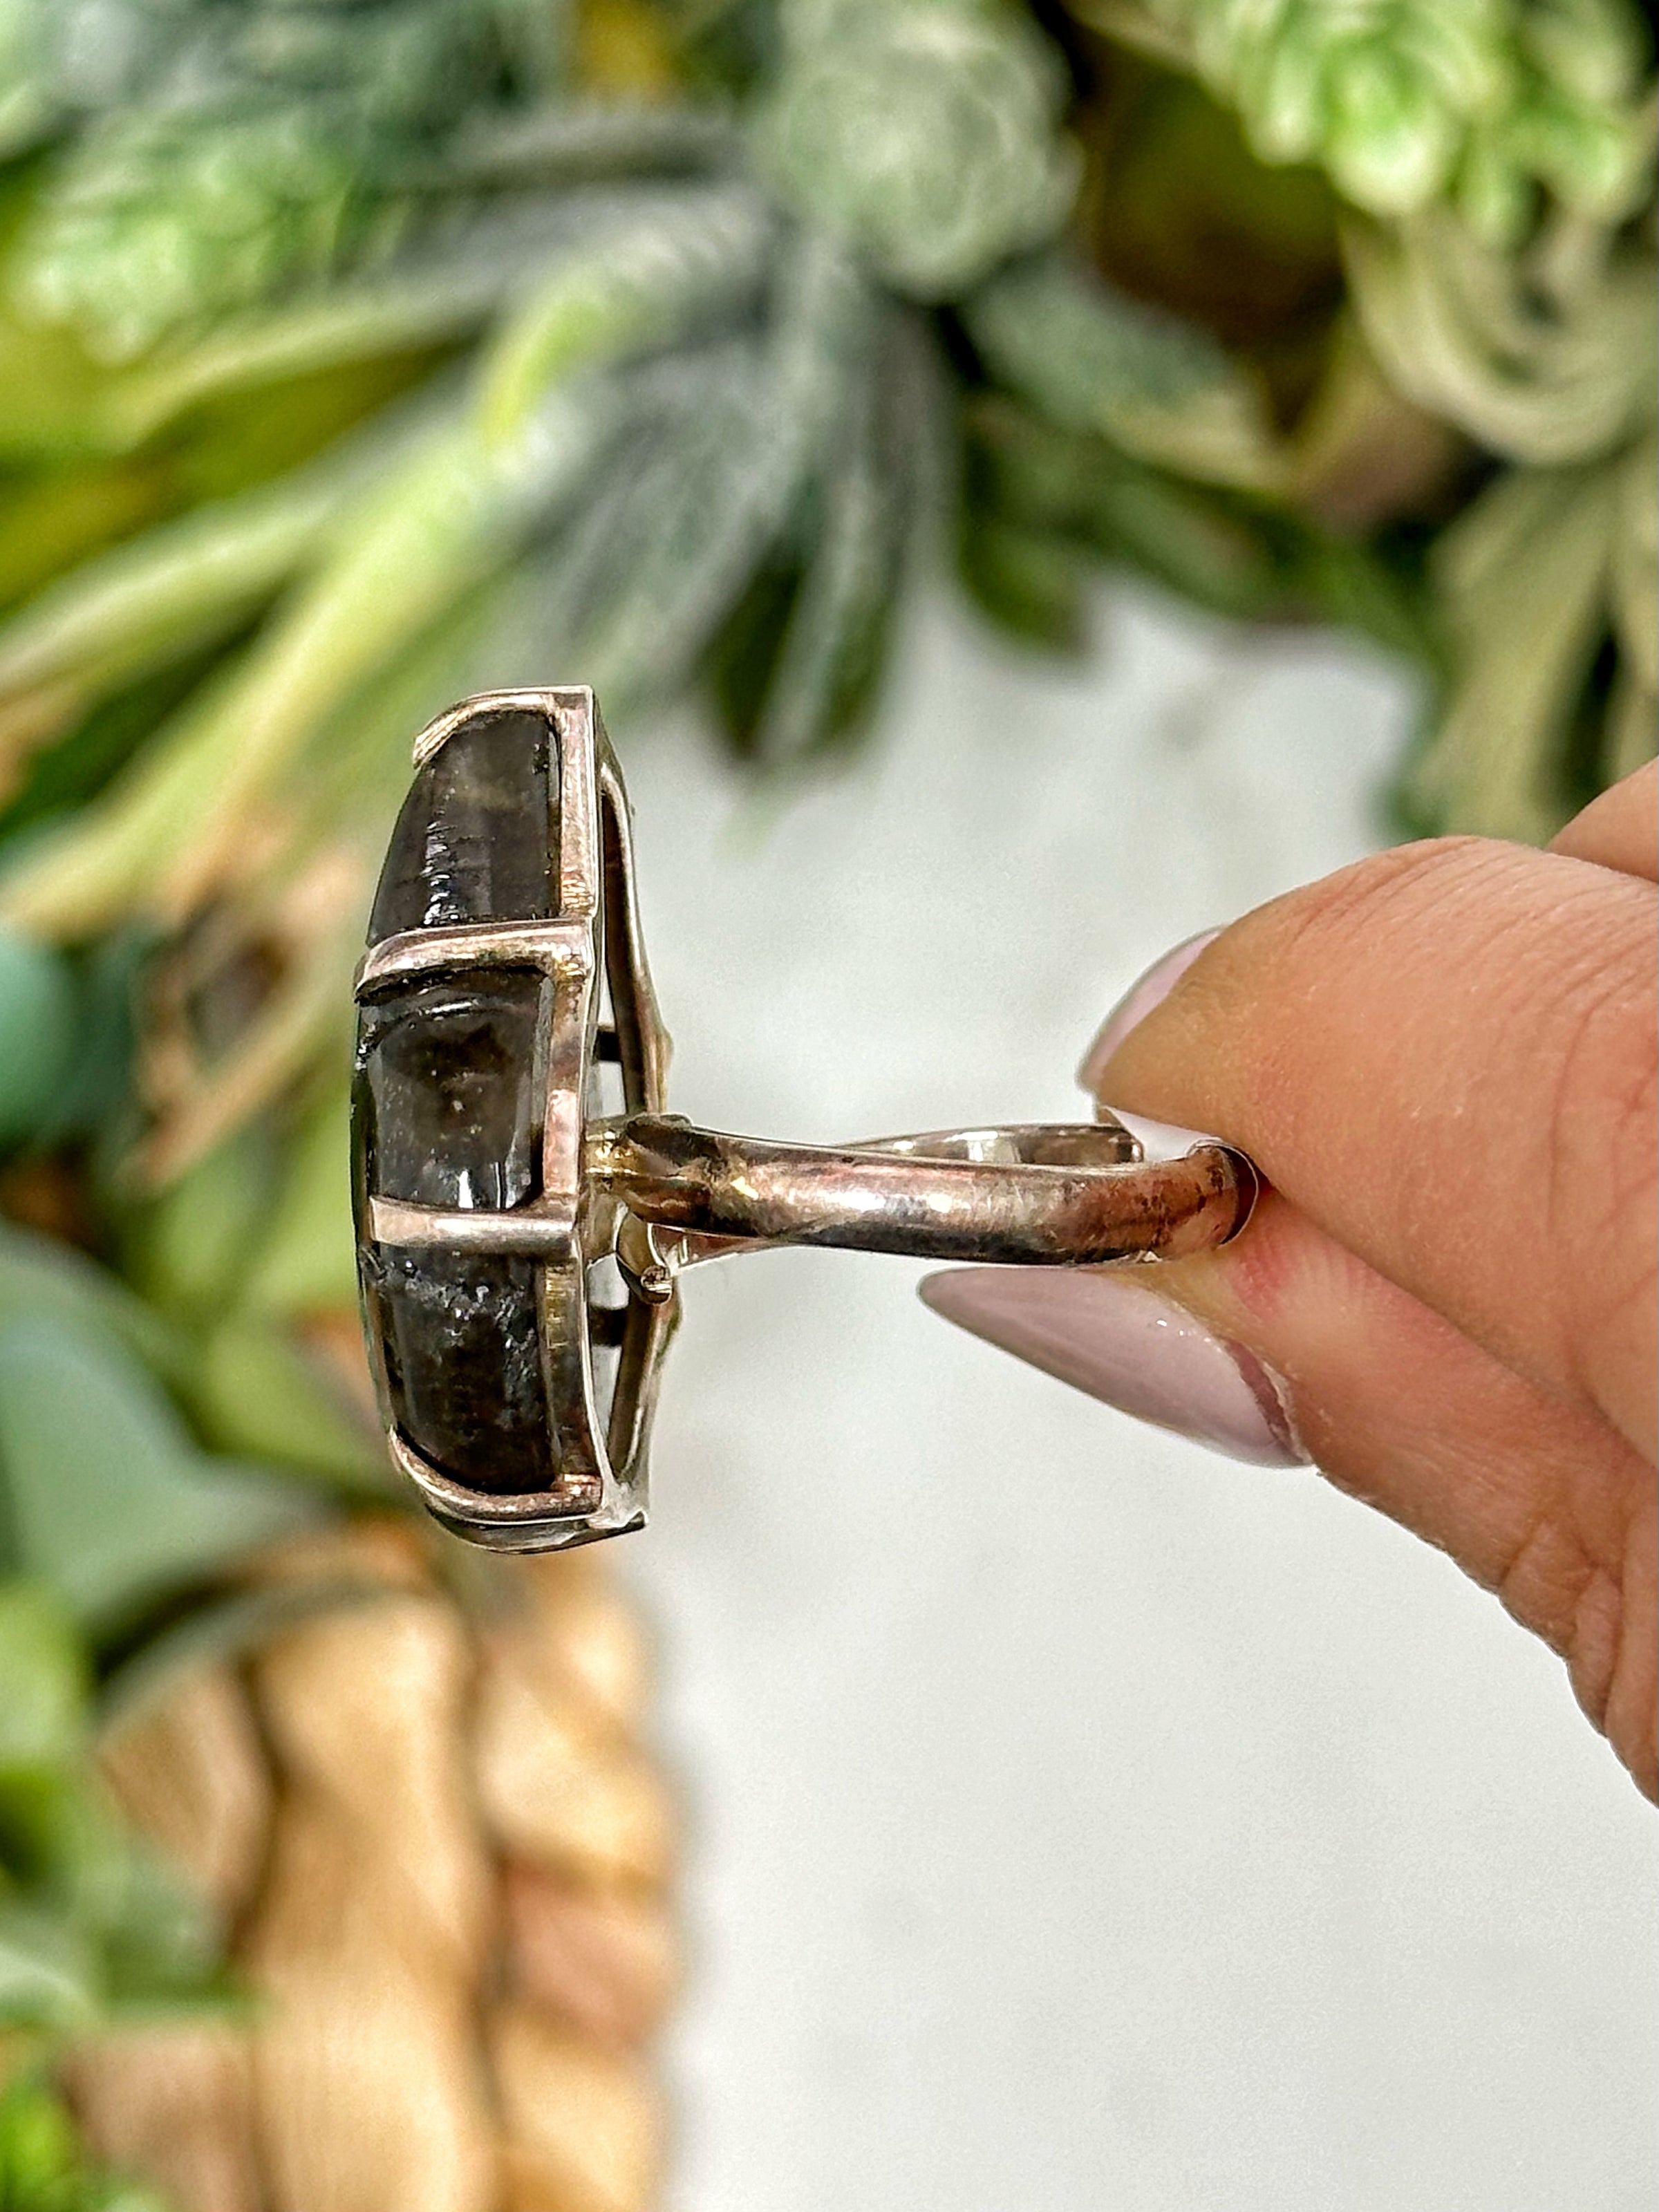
(1445, 1057)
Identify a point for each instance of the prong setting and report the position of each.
(597, 1453)
(506, 969)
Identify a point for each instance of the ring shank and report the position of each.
(1037, 1195)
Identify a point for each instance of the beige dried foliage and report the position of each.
(583, 2125)
(371, 2090)
(366, 1709)
(175, 2103)
(585, 1635)
(604, 1961)
(435, 1820)
(560, 1784)
(371, 1936)
(189, 1770)
(379, 1551)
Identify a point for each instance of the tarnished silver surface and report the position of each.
(655, 1194)
(1044, 1195)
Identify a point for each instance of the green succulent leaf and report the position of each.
(96, 1927)
(44, 1679)
(116, 1937)
(1526, 576)
(42, 1278)
(56, 1840)
(649, 562)
(1032, 583)
(188, 1248)
(663, 271)
(160, 224)
(50, 1974)
(1634, 577)
(444, 287)
(160, 1943)
(42, 2166)
(37, 1042)
(106, 1500)
(576, 141)
(1408, 102)
(28, 104)
(38, 2153)
(179, 586)
(1090, 359)
(92, 1104)
(255, 1393)
(824, 658)
(921, 132)
(267, 156)
(729, 448)
(306, 1259)
(1536, 371)
(53, 389)
(454, 510)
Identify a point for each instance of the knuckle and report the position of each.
(1377, 893)
(1581, 1572)
(1612, 1652)
(1601, 1170)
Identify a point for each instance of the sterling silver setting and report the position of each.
(629, 1199)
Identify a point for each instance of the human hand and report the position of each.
(1442, 1059)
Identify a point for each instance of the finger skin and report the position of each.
(1542, 1502)
(1445, 1057)
(1620, 830)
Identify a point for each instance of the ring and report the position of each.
(524, 1202)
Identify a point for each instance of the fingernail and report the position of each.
(1150, 990)
(1159, 1140)
(1131, 1348)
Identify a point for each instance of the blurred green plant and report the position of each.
(117, 1531)
(1485, 103)
(42, 2168)
(95, 1930)
(1491, 231)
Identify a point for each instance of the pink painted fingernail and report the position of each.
(1126, 1344)
(1148, 991)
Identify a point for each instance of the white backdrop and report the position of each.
(1076, 1821)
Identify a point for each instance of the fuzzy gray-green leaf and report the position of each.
(108, 1500)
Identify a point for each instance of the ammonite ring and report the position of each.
(523, 1203)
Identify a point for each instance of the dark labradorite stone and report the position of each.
(451, 1085)
(473, 840)
(463, 1363)
(447, 1112)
